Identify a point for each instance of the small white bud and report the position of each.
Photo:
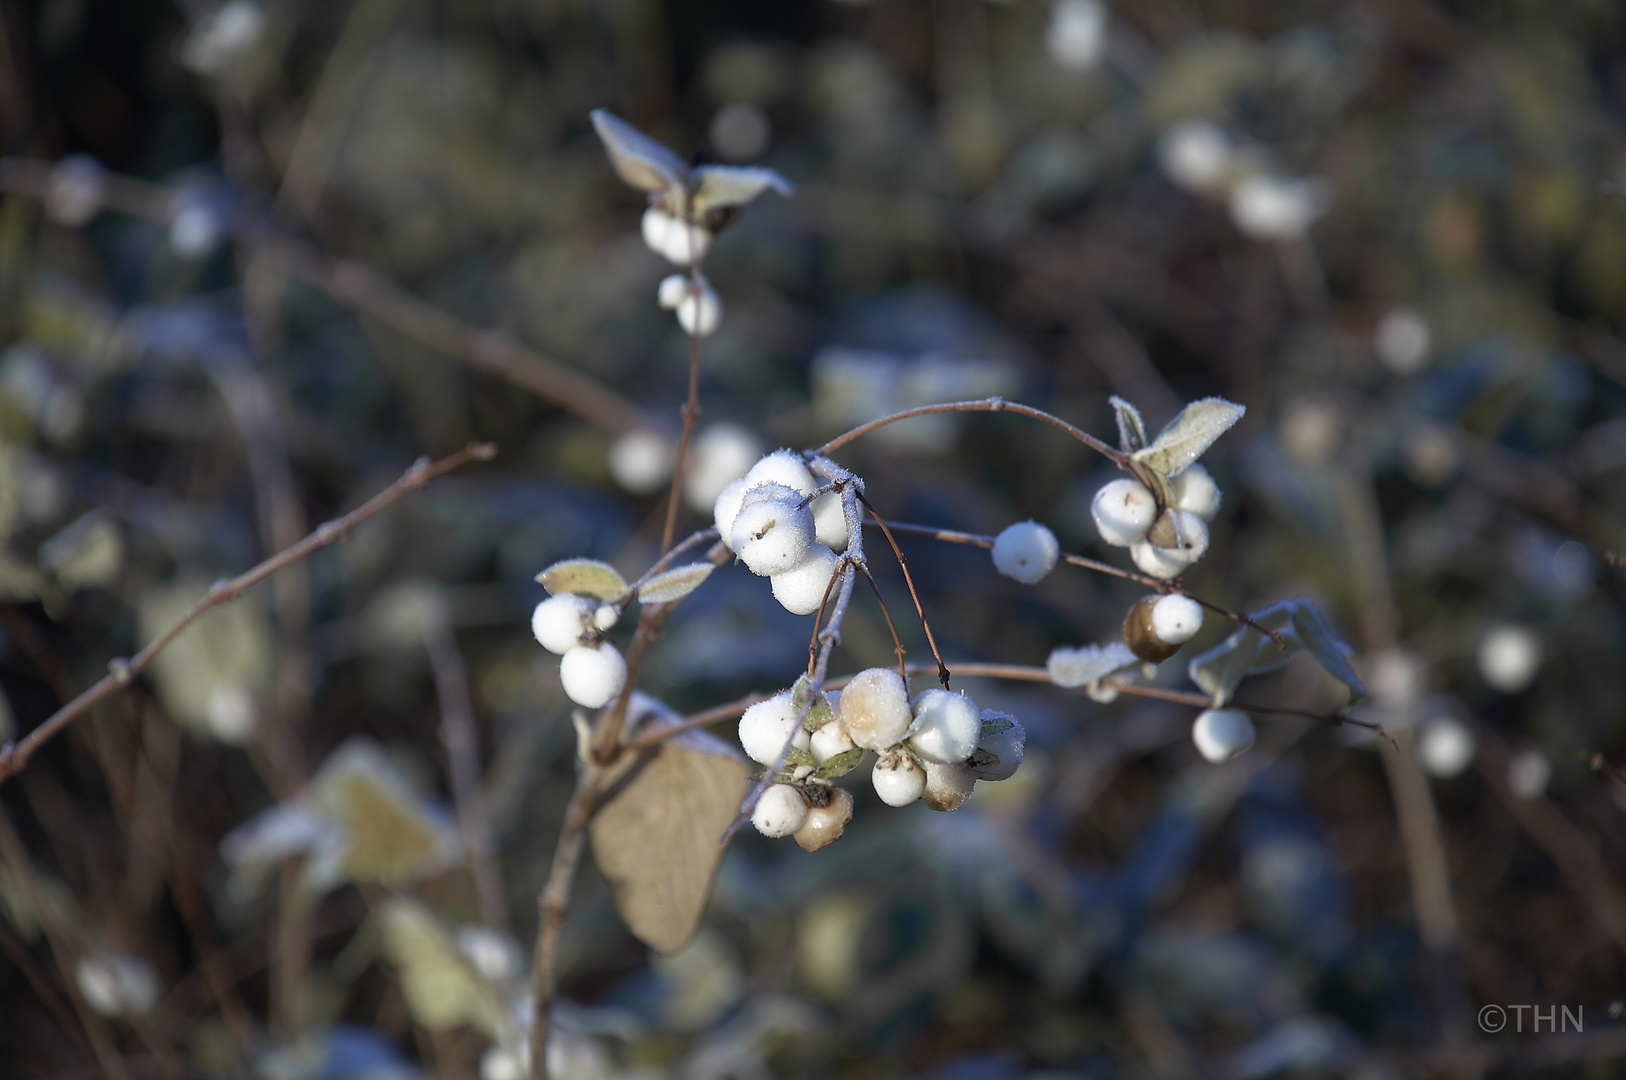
(593, 676)
(672, 239)
(765, 726)
(1528, 773)
(830, 740)
(1026, 551)
(780, 811)
(783, 467)
(1445, 747)
(605, 617)
(560, 622)
(946, 726)
(875, 708)
(1176, 619)
(898, 778)
(641, 462)
(999, 755)
(947, 786)
(1222, 734)
(825, 824)
(802, 589)
(1123, 510)
(772, 536)
(1509, 658)
(830, 521)
(1402, 341)
(1196, 492)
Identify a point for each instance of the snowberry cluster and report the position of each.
(933, 748)
(592, 670)
(770, 520)
(1162, 541)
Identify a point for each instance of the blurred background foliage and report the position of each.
(1395, 230)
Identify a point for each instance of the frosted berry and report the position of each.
(773, 535)
(561, 622)
(946, 726)
(780, 811)
(593, 675)
(1157, 626)
(672, 238)
(1196, 492)
(898, 778)
(766, 725)
(830, 740)
(830, 521)
(727, 508)
(1222, 734)
(1177, 618)
(802, 590)
(1123, 511)
(783, 467)
(999, 753)
(1026, 551)
(825, 824)
(875, 708)
(947, 786)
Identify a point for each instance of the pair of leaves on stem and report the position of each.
(1302, 628)
(705, 190)
(589, 577)
(1182, 441)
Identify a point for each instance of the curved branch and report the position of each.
(993, 404)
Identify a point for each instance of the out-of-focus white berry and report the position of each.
(641, 462)
(1311, 429)
(801, 590)
(1077, 35)
(117, 984)
(780, 811)
(75, 190)
(1123, 511)
(218, 39)
(875, 708)
(830, 521)
(231, 713)
(1026, 551)
(947, 786)
(560, 622)
(1197, 155)
(739, 131)
(1196, 492)
(720, 455)
(1190, 534)
(999, 755)
(593, 675)
(783, 467)
(195, 229)
(1402, 341)
(672, 239)
(1445, 747)
(898, 778)
(1528, 773)
(830, 740)
(727, 508)
(698, 311)
(1266, 207)
(946, 726)
(1509, 657)
(825, 824)
(493, 954)
(772, 536)
(1155, 561)
(1176, 619)
(506, 1062)
(765, 726)
(1222, 734)
(605, 616)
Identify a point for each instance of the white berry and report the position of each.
(1176, 619)
(875, 708)
(1222, 734)
(830, 740)
(1445, 747)
(1196, 492)
(780, 811)
(773, 536)
(947, 786)
(672, 238)
(727, 508)
(999, 755)
(560, 622)
(1026, 551)
(898, 778)
(830, 521)
(1509, 657)
(701, 314)
(783, 467)
(802, 590)
(946, 726)
(721, 454)
(593, 676)
(765, 727)
(825, 824)
(1123, 511)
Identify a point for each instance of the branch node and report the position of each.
(119, 668)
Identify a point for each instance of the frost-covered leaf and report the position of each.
(216, 665)
(1131, 428)
(656, 835)
(1189, 434)
(1318, 640)
(1220, 670)
(88, 552)
(795, 756)
(995, 725)
(840, 764)
(391, 834)
(720, 186)
(639, 160)
(442, 988)
(583, 577)
(1073, 668)
(674, 584)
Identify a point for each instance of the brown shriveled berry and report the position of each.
(825, 824)
(1141, 638)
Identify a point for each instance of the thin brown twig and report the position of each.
(1600, 764)
(691, 405)
(993, 404)
(698, 720)
(908, 579)
(13, 758)
(897, 646)
(818, 616)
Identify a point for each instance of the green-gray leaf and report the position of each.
(1189, 434)
(583, 577)
(442, 989)
(639, 160)
(1328, 651)
(1131, 428)
(797, 756)
(721, 186)
(840, 764)
(674, 584)
(1220, 670)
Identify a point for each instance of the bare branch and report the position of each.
(993, 404)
